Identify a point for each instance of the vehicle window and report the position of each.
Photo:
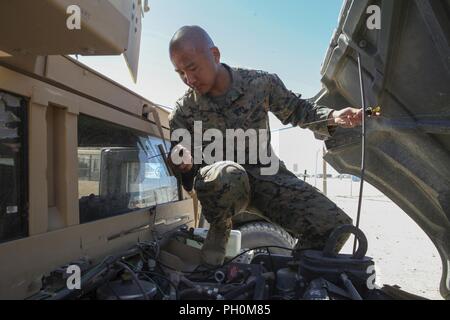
(120, 170)
(13, 166)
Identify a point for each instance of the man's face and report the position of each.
(198, 70)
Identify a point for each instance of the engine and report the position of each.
(140, 274)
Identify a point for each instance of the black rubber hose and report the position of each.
(330, 247)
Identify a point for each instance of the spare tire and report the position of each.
(257, 234)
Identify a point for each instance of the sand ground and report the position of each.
(403, 254)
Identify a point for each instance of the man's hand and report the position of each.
(346, 118)
(180, 159)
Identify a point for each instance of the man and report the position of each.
(227, 98)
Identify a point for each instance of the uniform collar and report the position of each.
(234, 93)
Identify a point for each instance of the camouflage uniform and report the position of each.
(225, 188)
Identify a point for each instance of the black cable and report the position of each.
(160, 276)
(108, 283)
(154, 282)
(225, 263)
(164, 278)
(135, 269)
(239, 255)
(256, 248)
(135, 278)
(143, 252)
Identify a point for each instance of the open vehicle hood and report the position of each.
(43, 28)
(406, 71)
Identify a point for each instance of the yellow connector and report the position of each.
(373, 111)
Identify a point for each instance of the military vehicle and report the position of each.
(89, 208)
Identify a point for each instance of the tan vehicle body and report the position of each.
(57, 95)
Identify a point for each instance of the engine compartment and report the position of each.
(151, 270)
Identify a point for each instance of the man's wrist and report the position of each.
(331, 118)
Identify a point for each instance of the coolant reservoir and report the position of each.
(233, 246)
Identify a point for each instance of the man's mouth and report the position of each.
(198, 88)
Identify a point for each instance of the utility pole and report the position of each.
(315, 174)
(324, 173)
(351, 186)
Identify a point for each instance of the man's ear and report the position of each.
(216, 53)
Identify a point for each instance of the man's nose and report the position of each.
(190, 79)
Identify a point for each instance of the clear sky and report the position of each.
(287, 37)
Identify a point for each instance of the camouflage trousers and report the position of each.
(225, 188)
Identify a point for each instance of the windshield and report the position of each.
(120, 170)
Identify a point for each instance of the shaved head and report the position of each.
(197, 61)
(191, 38)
